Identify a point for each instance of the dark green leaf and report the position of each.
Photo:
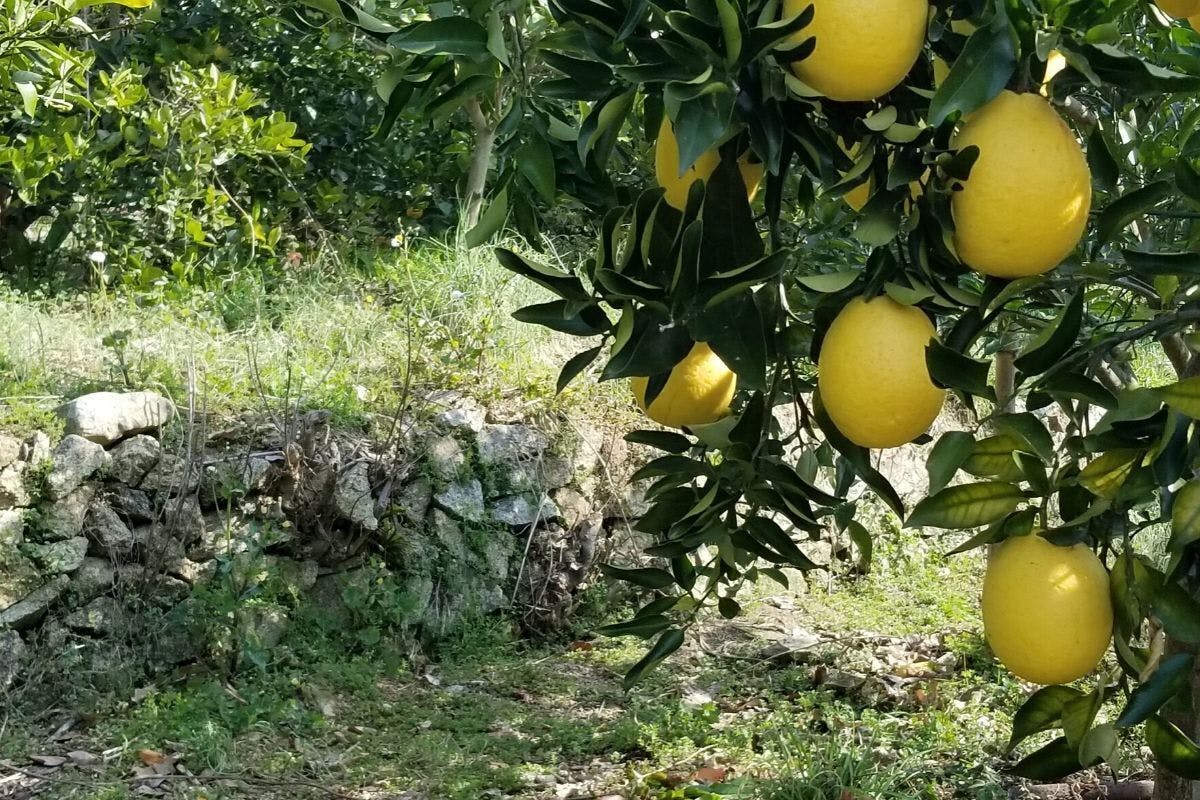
(1054, 341)
(768, 533)
(1056, 760)
(663, 440)
(575, 365)
(649, 350)
(457, 36)
(1173, 748)
(859, 458)
(536, 162)
(648, 577)
(565, 317)
(667, 644)
(1163, 263)
(952, 369)
(1168, 680)
(1178, 612)
(1041, 712)
(1125, 209)
(563, 284)
(981, 71)
(643, 626)
(951, 450)
(971, 505)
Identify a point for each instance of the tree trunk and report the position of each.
(481, 160)
(1166, 785)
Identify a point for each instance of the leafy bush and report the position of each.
(171, 147)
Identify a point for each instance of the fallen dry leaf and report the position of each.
(151, 757)
(581, 647)
(709, 775)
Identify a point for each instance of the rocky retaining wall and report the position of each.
(142, 524)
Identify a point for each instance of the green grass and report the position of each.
(349, 337)
(492, 713)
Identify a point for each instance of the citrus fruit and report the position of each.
(698, 391)
(864, 48)
(1194, 22)
(1046, 609)
(1056, 62)
(677, 186)
(872, 375)
(1179, 8)
(1025, 205)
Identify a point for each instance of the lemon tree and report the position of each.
(991, 198)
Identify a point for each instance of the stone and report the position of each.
(101, 617)
(221, 535)
(108, 533)
(12, 656)
(59, 557)
(182, 520)
(449, 535)
(18, 576)
(629, 503)
(467, 417)
(414, 499)
(555, 471)
(75, 460)
(14, 493)
(29, 611)
(12, 526)
(133, 505)
(10, 450)
(263, 625)
(463, 500)
(108, 417)
(36, 448)
(64, 519)
(172, 475)
(573, 507)
(255, 473)
(96, 576)
(193, 572)
(521, 510)
(352, 499)
(133, 459)
(294, 577)
(445, 458)
(497, 550)
(500, 444)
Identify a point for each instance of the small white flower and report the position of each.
(98, 257)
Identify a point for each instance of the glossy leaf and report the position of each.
(1169, 679)
(971, 505)
(1041, 712)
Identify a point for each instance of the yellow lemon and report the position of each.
(864, 48)
(1056, 62)
(857, 197)
(698, 391)
(677, 186)
(1194, 22)
(1025, 206)
(1046, 609)
(941, 71)
(753, 174)
(1179, 8)
(872, 375)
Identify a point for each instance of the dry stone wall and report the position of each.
(121, 528)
